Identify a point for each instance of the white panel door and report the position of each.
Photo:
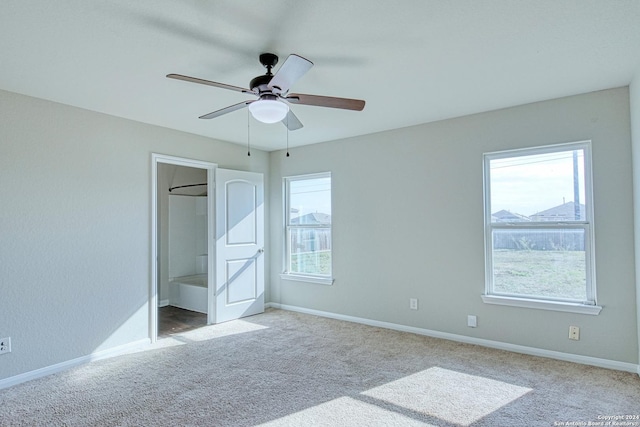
(239, 244)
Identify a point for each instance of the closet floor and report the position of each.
(173, 320)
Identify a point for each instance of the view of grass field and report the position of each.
(317, 262)
(553, 274)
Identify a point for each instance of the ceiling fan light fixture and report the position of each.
(268, 110)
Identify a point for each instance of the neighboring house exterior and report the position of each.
(565, 212)
(312, 218)
(506, 216)
(311, 239)
(526, 239)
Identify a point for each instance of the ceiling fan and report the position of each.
(273, 94)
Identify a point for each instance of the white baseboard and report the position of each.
(163, 303)
(63, 366)
(532, 351)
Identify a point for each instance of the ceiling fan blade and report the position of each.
(292, 122)
(210, 83)
(226, 110)
(326, 101)
(293, 68)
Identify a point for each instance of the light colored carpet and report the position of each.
(288, 369)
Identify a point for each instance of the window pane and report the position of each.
(541, 263)
(540, 187)
(310, 251)
(310, 201)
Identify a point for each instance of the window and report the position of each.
(308, 228)
(538, 228)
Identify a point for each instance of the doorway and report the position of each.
(182, 248)
(190, 204)
(231, 258)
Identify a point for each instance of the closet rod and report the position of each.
(184, 186)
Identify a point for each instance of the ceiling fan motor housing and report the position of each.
(260, 83)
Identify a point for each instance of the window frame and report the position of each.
(490, 296)
(287, 227)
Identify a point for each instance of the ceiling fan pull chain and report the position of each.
(287, 135)
(248, 134)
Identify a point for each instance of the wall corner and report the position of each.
(634, 110)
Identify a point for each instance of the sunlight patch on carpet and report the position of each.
(206, 333)
(345, 411)
(448, 395)
(225, 329)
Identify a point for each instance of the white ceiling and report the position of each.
(413, 61)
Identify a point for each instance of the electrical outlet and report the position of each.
(5, 345)
(472, 321)
(574, 333)
(413, 303)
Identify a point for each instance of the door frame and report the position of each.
(211, 241)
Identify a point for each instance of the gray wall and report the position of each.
(408, 222)
(75, 224)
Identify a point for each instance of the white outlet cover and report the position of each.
(574, 333)
(472, 321)
(5, 345)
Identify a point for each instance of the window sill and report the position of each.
(593, 310)
(310, 279)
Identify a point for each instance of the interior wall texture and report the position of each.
(407, 214)
(75, 224)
